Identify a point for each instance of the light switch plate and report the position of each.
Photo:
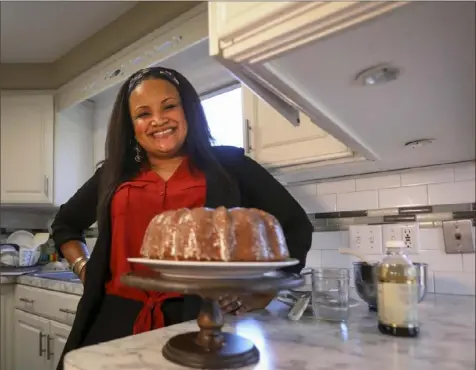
(366, 239)
(458, 236)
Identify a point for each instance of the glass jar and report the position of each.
(330, 294)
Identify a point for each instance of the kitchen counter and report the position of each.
(8, 279)
(50, 284)
(446, 341)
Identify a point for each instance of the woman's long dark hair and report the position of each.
(119, 164)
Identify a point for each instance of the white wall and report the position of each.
(73, 154)
(102, 114)
(451, 274)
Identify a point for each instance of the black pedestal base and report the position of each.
(236, 352)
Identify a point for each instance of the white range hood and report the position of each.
(304, 57)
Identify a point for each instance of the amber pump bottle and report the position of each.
(397, 293)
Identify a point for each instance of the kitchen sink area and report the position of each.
(69, 276)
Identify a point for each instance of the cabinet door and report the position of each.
(6, 326)
(56, 340)
(27, 148)
(30, 341)
(235, 18)
(274, 142)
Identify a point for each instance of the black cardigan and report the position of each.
(253, 187)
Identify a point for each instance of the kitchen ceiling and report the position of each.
(45, 44)
(44, 31)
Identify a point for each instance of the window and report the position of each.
(225, 117)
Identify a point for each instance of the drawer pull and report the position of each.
(41, 350)
(65, 310)
(31, 301)
(49, 354)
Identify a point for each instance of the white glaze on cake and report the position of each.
(204, 234)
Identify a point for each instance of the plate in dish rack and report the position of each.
(212, 270)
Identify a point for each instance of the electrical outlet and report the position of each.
(408, 233)
(366, 239)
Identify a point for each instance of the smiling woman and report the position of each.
(159, 122)
(159, 157)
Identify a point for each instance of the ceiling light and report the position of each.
(377, 75)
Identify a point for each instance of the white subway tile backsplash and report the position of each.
(448, 273)
(448, 193)
(357, 200)
(454, 283)
(428, 176)
(402, 197)
(314, 258)
(466, 171)
(332, 258)
(303, 191)
(333, 187)
(326, 240)
(440, 261)
(469, 260)
(377, 182)
(321, 203)
(344, 239)
(432, 239)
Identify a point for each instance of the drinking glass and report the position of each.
(330, 294)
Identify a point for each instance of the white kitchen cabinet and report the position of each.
(30, 341)
(274, 143)
(45, 156)
(41, 325)
(6, 326)
(57, 339)
(27, 124)
(39, 342)
(264, 45)
(232, 22)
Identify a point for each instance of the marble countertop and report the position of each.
(446, 342)
(49, 284)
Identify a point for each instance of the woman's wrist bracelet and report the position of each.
(81, 266)
(78, 262)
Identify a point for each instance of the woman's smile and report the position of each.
(160, 125)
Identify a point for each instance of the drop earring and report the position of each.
(138, 156)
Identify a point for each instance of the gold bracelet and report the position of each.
(75, 262)
(81, 266)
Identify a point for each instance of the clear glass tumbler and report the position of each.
(330, 294)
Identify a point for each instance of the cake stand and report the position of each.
(210, 347)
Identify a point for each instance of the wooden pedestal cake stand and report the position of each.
(210, 348)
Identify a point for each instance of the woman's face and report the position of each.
(159, 121)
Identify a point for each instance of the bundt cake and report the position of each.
(205, 234)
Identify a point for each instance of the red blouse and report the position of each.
(134, 204)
